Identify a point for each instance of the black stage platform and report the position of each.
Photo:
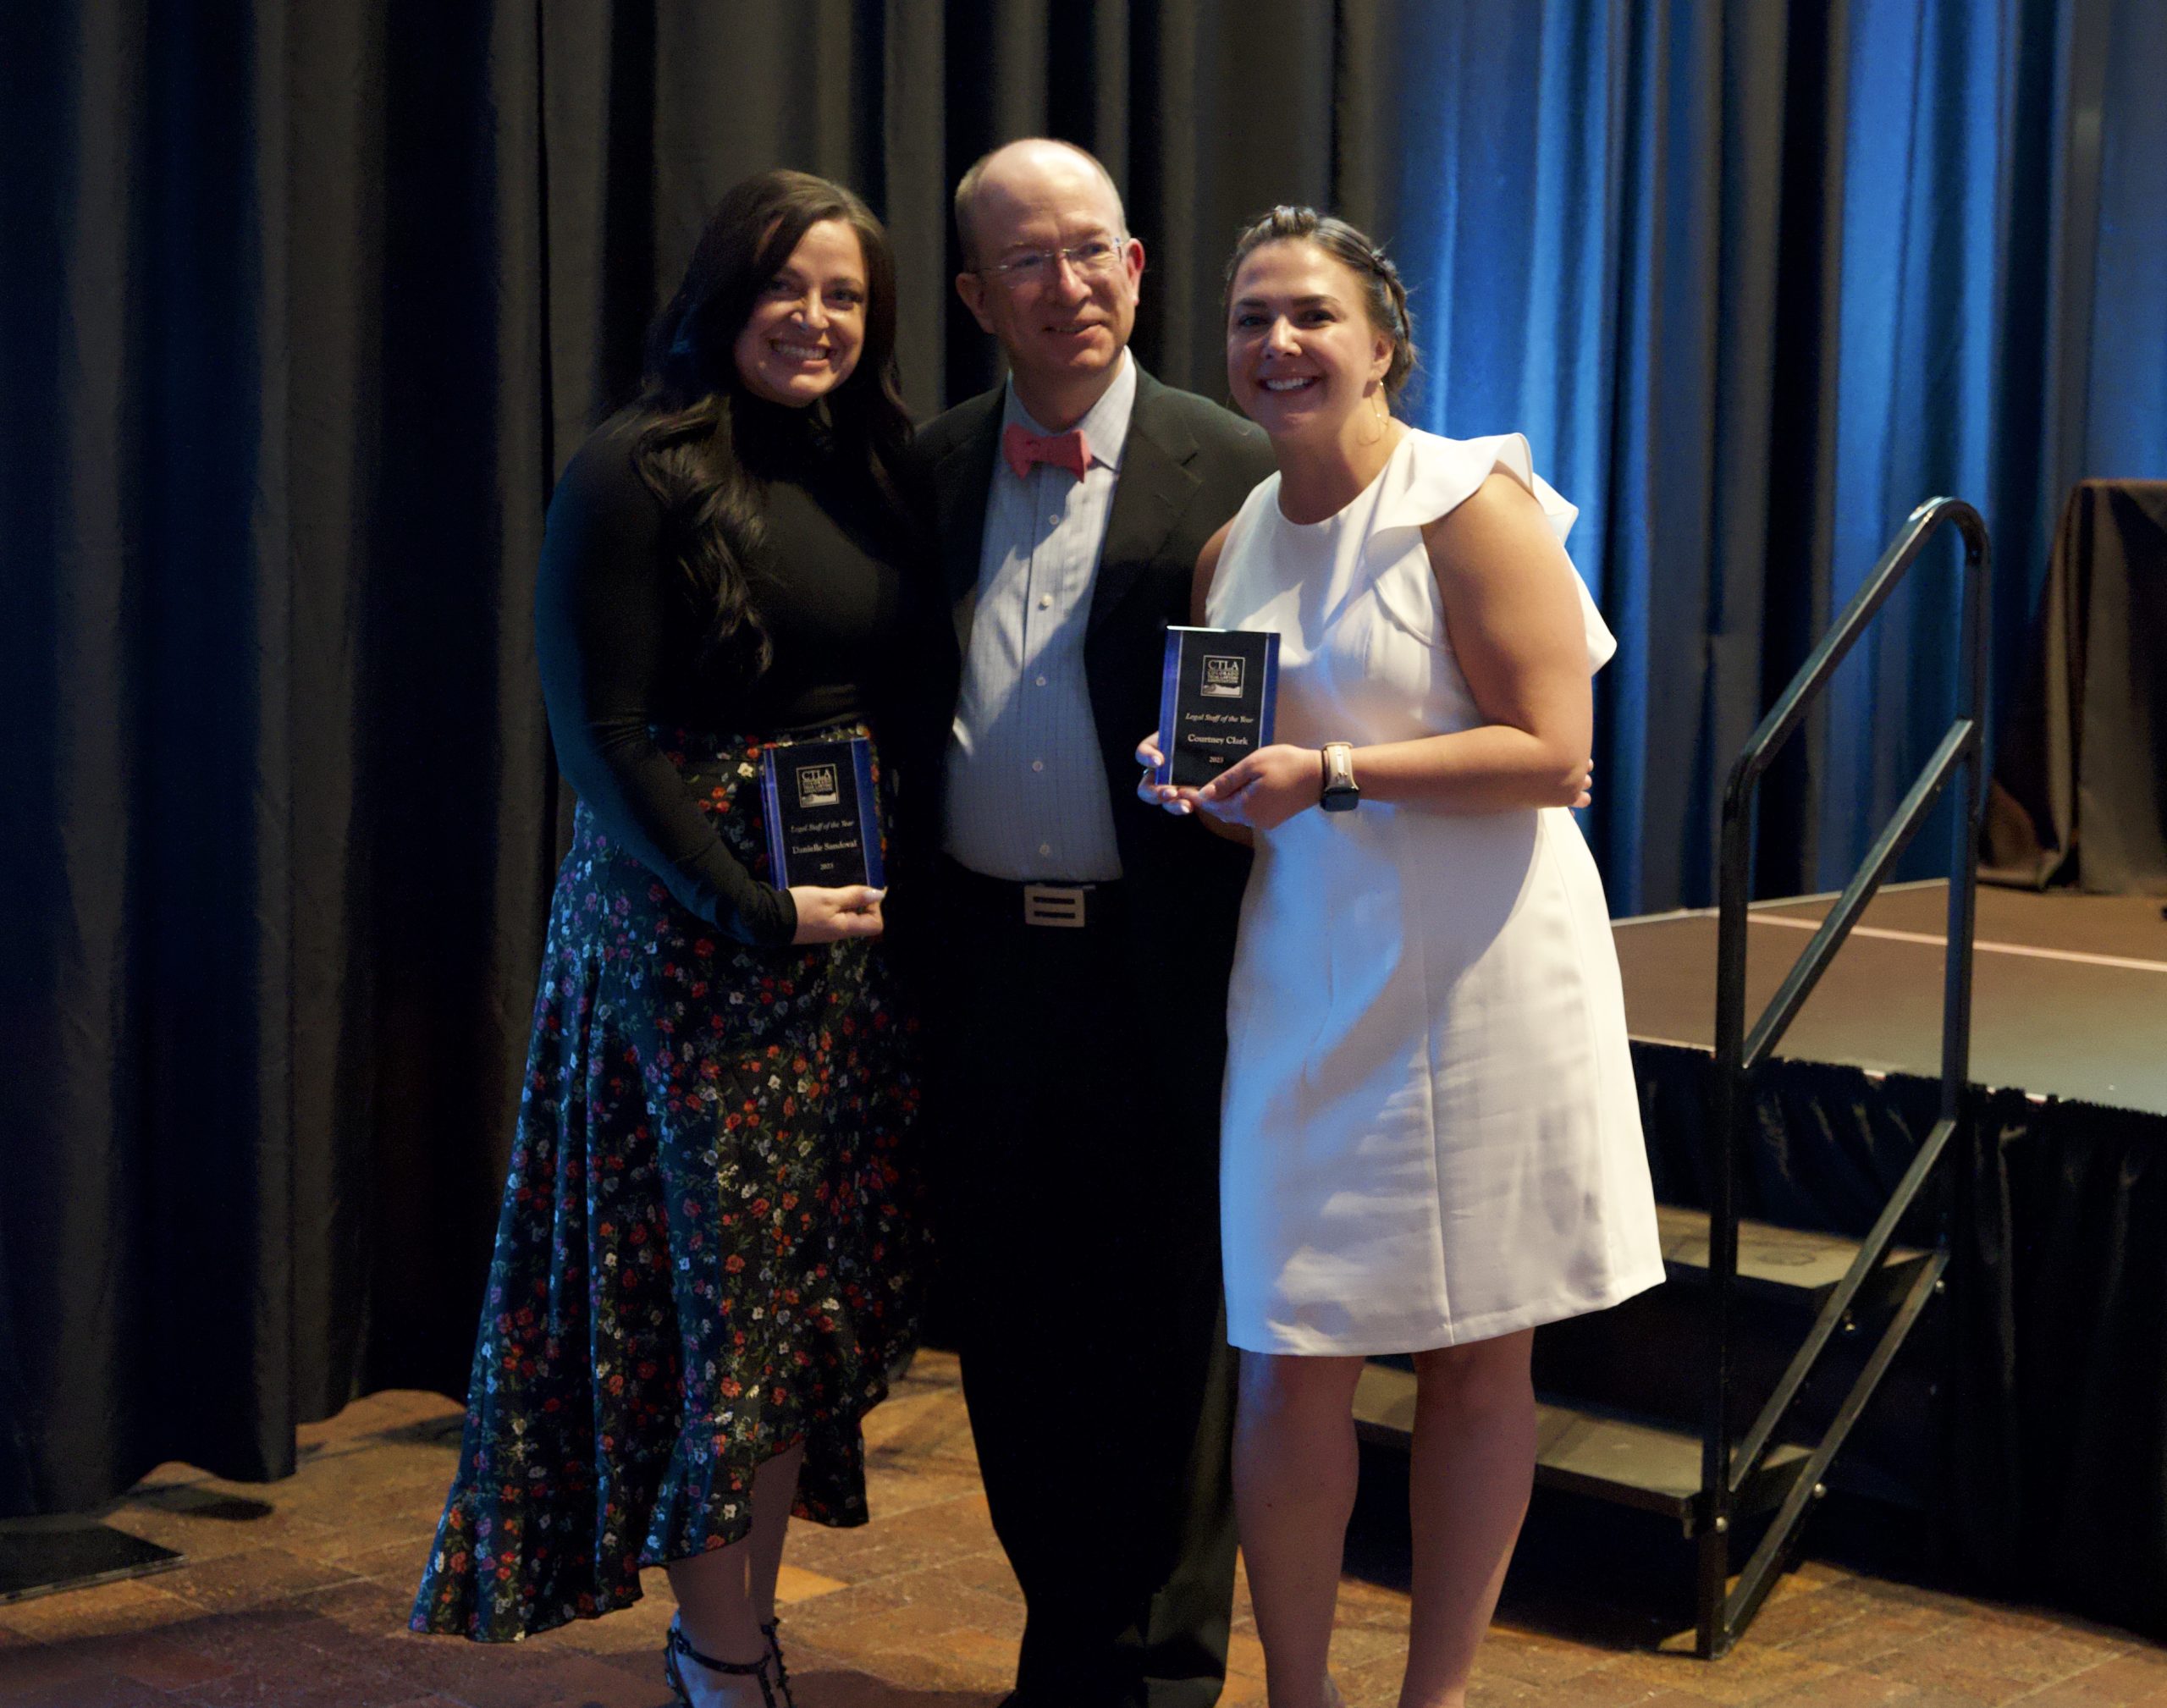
(2069, 993)
(2026, 1430)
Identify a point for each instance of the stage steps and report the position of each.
(1618, 1416)
(1787, 1264)
(1588, 1450)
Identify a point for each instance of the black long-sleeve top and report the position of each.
(620, 638)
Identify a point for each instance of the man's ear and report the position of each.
(971, 287)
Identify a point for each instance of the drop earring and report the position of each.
(1380, 416)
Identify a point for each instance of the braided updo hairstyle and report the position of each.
(1384, 298)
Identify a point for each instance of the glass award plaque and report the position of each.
(822, 827)
(1216, 701)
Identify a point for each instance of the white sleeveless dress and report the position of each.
(1430, 1132)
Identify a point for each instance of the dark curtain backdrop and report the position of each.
(302, 306)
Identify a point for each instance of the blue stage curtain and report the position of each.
(1754, 280)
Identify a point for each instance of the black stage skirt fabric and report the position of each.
(2027, 1416)
(709, 1245)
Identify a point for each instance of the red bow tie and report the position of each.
(1063, 450)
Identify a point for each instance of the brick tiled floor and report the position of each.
(296, 1594)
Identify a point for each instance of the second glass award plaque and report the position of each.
(822, 827)
(1215, 704)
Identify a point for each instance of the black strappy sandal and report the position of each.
(680, 1644)
(775, 1652)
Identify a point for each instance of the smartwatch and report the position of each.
(1341, 792)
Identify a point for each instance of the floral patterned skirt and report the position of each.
(708, 1247)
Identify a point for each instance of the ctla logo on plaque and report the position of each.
(1222, 678)
(817, 786)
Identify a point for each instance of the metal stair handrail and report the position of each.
(1723, 1612)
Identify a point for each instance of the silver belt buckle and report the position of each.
(1054, 904)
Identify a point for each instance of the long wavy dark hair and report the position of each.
(691, 392)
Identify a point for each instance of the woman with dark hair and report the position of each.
(1430, 1140)
(705, 1260)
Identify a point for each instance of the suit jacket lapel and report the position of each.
(1156, 486)
(961, 481)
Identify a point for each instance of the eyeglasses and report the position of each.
(1095, 257)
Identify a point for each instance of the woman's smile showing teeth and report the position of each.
(807, 328)
(1302, 355)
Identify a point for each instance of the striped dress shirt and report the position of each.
(1027, 785)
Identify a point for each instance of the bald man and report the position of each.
(1085, 952)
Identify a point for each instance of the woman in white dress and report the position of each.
(1431, 1142)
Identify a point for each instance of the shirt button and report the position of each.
(1045, 600)
(1045, 847)
(1038, 765)
(1042, 681)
